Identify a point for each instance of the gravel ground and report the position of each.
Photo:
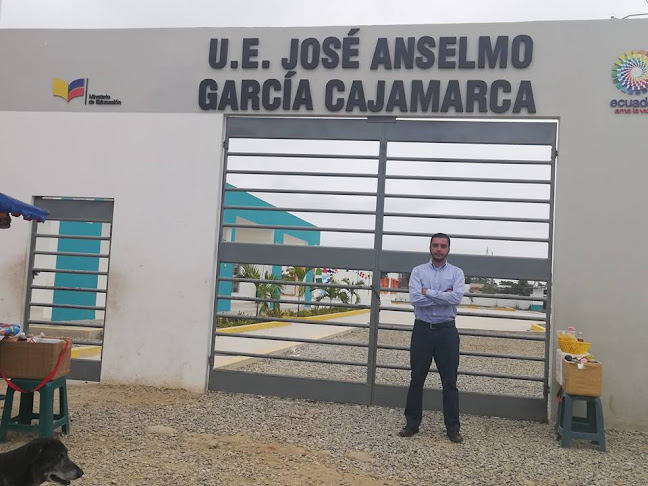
(146, 436)
(401, 358)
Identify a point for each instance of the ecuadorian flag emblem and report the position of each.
(68, 91)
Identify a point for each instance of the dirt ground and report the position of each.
(115, 438)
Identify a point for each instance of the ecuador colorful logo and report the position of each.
(69, 91)
(630, 72)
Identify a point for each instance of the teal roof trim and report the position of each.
(279, 218)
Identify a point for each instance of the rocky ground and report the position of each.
(146, 436)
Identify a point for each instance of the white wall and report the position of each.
(163, 172)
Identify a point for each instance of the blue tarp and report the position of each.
(19, 208)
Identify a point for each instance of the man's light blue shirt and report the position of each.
(437, 305)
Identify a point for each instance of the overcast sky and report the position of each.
(214, 13)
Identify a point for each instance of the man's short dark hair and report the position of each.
(440, 235)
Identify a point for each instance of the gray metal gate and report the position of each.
(394, 182)
(67, 280)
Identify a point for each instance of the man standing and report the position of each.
(436, 289)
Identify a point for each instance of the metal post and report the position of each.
(375, 281)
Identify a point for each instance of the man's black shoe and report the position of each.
(455, 436)
(408, 432)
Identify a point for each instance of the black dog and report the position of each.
(36, 462)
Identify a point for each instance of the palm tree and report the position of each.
(299, 274)
(270, 291)
(333, 293)
(353, 293)
(250, 271)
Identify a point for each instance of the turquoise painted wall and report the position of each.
(76, 263)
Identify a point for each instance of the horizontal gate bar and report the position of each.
(471, 353)
(479, 132)
(521, 337)
(87, 342)
(315, 285)
(298, 228)
(503, 316)
(85, 370)
(289, 387)
(467, 161)
(82, 210)
(72, 254)
(464, 217)
(62, 270)
(305, 256)
(289, 339)
(303, 302)
(75, 220)
(475, 294)
(472, 314)
(464, 237)
(72, 237)
(288, 155)
(469, 373)
(303, 129)
(66, 324)
(465, 332)
(506, 406)
(301, 174)
(299, 210)
(299, 191)
(68, 306)
(466, 179)
(473, 265)
(291, 320)
(467, 198)
(71, 289)
(287, 358)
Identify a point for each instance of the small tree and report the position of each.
(270, 291)
(353, 293)
(299, 274)
(329, 293)
(333, 293)
(250, 271)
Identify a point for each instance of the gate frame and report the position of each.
(76, 210)
(384, 130)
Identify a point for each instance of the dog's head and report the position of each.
(49, 461)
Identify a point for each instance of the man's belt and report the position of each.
(431, 325)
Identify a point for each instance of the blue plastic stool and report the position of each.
(590, 427)
(48, 421)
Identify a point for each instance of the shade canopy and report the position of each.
(18, 208)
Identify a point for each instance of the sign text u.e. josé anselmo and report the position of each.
(379, 90)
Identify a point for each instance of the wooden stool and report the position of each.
(590, 427)
(48, 421)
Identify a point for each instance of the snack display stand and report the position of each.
(580, 377)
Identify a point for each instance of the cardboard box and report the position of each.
(33, 361)
(587, 382)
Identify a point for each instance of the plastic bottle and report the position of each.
(580, 337)
(571, 331)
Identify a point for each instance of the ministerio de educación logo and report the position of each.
(79, 88)
(630, 75)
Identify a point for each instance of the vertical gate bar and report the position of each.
(374, 316)
(105, 319)
(30, 277)
(548, 344)
(221, 231)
